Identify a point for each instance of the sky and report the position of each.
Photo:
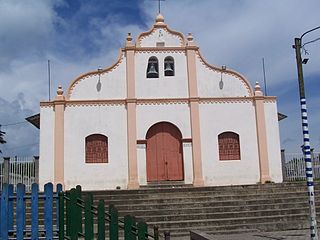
(80, 36)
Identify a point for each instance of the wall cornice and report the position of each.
(46, 104)
(160, 49)
(159, 101)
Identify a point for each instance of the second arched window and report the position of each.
(229, 146)
(96, 148)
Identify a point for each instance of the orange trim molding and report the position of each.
(155, 101)
(142, 141)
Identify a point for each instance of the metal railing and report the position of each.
(14, 170)
(293, 166)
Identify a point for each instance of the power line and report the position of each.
(12, 124)
(22, 146)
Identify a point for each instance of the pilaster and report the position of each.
(131, 102)
(59, 106)
(194, 112)
(261, 134)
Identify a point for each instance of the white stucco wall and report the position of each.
(208, 83)
(216, 118)
(46, 161)
(177, 114)
(164, 86)
(113, 85)
(81, 121)
(163, 36)
(273, 141)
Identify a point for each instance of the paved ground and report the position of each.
(292, 235)
(282, 235)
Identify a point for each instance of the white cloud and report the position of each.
(25, 30)
(240, 33)
(22, 138)
(233, 33)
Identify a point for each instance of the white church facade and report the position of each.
(160, 113)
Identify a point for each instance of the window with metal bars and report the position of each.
(96, 148)
(229, 146)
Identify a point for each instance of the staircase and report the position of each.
(215, 210)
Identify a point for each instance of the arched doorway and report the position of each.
(164, 153)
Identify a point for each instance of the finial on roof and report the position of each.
(59, 93)
(129, 40)
(257, 90)
(190, 37)
(160, 20)
(190, 40)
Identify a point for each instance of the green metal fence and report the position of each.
(80, 219)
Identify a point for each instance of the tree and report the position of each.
(2, 141)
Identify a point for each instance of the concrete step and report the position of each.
(222, 215)
(214, 190)
(205, 198)
(215, 210)
(229, 221)
(194, 204)
(239, 228)
(154, 196)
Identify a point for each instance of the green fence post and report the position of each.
(61, 215)
(113, 225)
(68, 214)
(142, 230)
(79, 210)
(73, 214)
(88, 217)
(101, 220)
(129, 227)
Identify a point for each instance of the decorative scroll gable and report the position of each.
(160, 36)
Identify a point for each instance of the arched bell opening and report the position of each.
(169, 66)
(153, 68)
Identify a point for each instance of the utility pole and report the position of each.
(306, 142)
(49, 81)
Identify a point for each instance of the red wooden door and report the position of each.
(164, 153)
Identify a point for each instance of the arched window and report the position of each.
(96, 148)
(229, 146)
(153, 68)
(169, 66)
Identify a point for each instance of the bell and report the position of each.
(152, 71)
(168, 70)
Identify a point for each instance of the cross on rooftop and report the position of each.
(159, 4)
